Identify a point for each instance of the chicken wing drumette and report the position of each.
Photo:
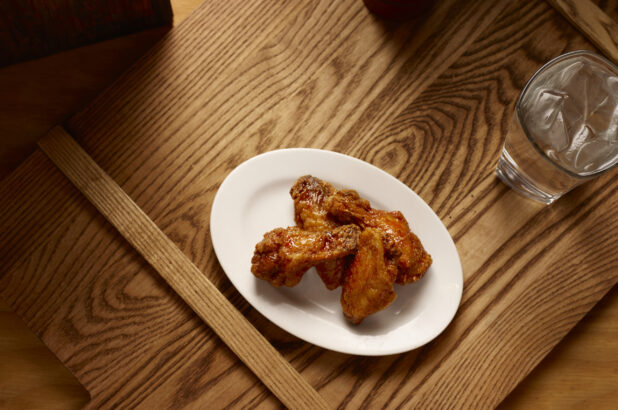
(309, 195)
(285, 254)
(405, 256)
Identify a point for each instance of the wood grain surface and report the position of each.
(31, 377)
(597, 26)
(324, 75)
(179, 272)
(581, 371)
(37, 95)
(39, 28)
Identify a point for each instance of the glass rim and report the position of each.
(524, 91)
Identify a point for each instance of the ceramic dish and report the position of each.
(254, 198)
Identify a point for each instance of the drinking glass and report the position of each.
(565, 127)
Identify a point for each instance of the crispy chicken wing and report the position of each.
(352, 245)
(368, 285)
(309, 194)
(405, 255)
(285, 254)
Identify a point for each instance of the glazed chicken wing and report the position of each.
(368, 285)
(285, 254)
(309, 194)
(352, 245)
(405, 256)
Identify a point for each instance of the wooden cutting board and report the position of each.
(427, 101)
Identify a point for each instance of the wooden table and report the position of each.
(429, 106)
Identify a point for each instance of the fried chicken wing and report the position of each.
(415, 263)
(352, 245)
(309, 194)
(368, 285)
(285, 254)
(405, 254)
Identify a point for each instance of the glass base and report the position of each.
(509, 173)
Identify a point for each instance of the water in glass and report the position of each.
(565, 127)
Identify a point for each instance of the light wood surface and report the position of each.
(31, 377)
(542, 39)
(597, 26)
(580, 373)
(179, 272)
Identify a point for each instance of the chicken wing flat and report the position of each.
(405, 255)
(368, 285)
(309, 194)
(285, 254)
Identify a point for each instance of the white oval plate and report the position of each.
(254, 198)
